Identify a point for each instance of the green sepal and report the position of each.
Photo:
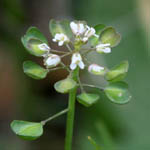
(60, 27)
(109, 35)
(27, 130)
(118, 73)
(118, 92)
(34, 70)
(87, 99)
(31, 39)
(64, 86)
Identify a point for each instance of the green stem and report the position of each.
(55, 116)
(71, 112)
(69, 48)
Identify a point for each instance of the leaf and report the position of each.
(118, 92)
(27, 130)
(95, 40)
(64, 86)
(118, 72)
(99, 28)
(109, 35)
(31, 39)
(34, 71)
(87, 99)
(60, 27)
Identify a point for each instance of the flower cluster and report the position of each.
(81, 34)
(80, 40)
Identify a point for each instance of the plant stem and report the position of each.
(71, 112)
(65, 66)
(56, 51)
(93, 86)
(55, 116)
(69, 48)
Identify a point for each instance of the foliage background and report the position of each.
(113, 127)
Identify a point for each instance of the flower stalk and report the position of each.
(71, 112)
(54, 116)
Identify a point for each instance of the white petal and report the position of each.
(96, 69)
(54, 40)
(74, 27)
(73, 66)
(76, 57)
(81, 28)
(96, 35)
(85, 39)
(107, 50)
(52, 60)
(44, 47)
(81, 65)
(90, 32)
(58, 36)
(60, 43)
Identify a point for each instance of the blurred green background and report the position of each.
(113, 127)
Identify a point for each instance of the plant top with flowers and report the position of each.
(80, 40)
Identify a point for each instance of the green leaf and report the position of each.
(32, 39)
(95, 40)
(99, 28)
(118, 72)
(60, 27)
(88, 99)
(109, 35)
(27, 130)
(64, 86)
(34, 71)
(118, 92)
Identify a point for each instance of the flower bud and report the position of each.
(78, 28)
(38, 48)
(103, 48)
(96, 69)
(52, 60)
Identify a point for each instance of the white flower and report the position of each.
(52, 60)
(77, 28)
(96, 69)
(44, 47)
(103, 48)
(76, 61)
(82, 31)
(60, 38)
(89, 32)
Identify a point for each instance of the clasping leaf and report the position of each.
(87, 99)
(118, 72)
(118, 92)
(34, 71)
(64, 86)
(109, 35)
(32, 39)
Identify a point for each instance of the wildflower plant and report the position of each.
(80, 40)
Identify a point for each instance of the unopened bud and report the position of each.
(96, 69)
(52, 60)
